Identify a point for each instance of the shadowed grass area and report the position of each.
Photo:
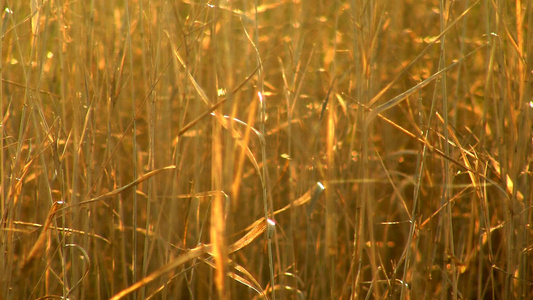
(266, 149)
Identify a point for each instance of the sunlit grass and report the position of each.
(274, 149)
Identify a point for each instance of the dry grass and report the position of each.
(179, 149)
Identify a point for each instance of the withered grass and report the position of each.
(266, 149)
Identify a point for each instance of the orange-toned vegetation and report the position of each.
(266, 149)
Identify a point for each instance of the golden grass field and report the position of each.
(266, 149)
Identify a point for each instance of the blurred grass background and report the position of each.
(146, 143)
